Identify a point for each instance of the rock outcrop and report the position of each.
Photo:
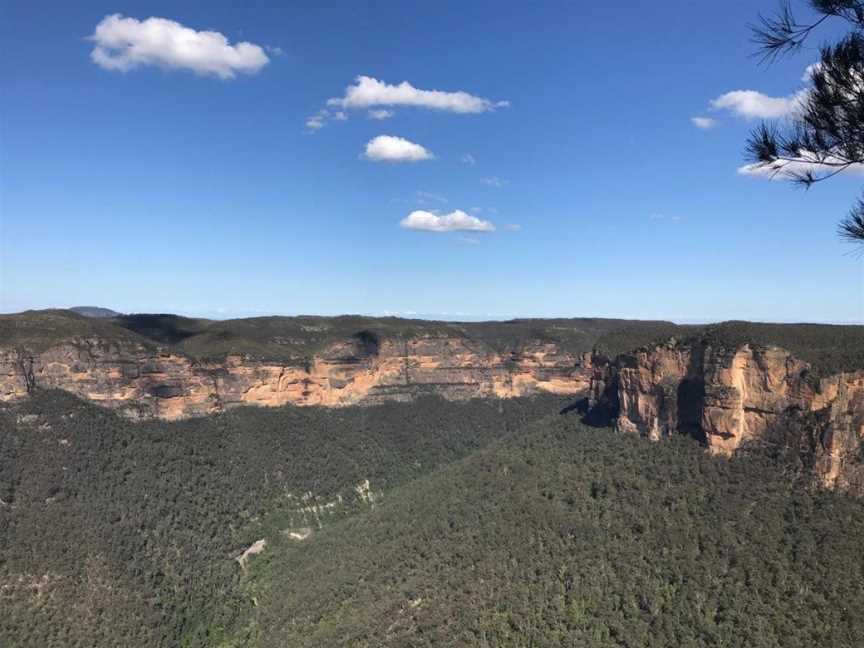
(142, 382)
(731, 398)
(727, 396)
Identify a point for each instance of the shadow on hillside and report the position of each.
(164, 329)
(602, 414)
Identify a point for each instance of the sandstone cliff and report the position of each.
(143, 382)
(715, 384)
(733, 398)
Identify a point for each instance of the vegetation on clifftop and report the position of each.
(295, 339)
(828, 348)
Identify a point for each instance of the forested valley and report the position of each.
(119, 533)
(483, 523)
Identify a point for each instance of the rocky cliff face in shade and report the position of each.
(141, 382)
(730, 398)
(841, 431)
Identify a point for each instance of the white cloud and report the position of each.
(381, 114)
(513, 227)
(810, 70)
(389, 148)
(318, 121)
(494, 181)
(751, 104)
(703, 123)
(789, 170)
(368, 92)
(315, 123)
(126, 43)
(469, 159)
(455, 221)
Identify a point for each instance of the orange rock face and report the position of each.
(726, 398)
(141, 383)
(731, 398)
(842, 399)
(647, 396)
(746, 393)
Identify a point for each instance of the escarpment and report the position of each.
(143, 382)
(734, 398)
(729, 385)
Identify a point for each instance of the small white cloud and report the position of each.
(469, 240)
(368, 92)
(389, 148)
(809, 71)
(751, 104)
(513, 227)
(126, 43)
(703, 123)
(656, 217)
(808, 163)
(494, 181)
(380, 114)
(317, 121)
(455, 221)
(427, 196)
(469, 159)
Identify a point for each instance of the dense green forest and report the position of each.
(571, 536)
(293, 339)
(121, 534)
(486, 523)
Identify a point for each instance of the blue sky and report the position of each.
(168, 186)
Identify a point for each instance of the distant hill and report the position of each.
(829, 348)
(94, 311)
(290, 338)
